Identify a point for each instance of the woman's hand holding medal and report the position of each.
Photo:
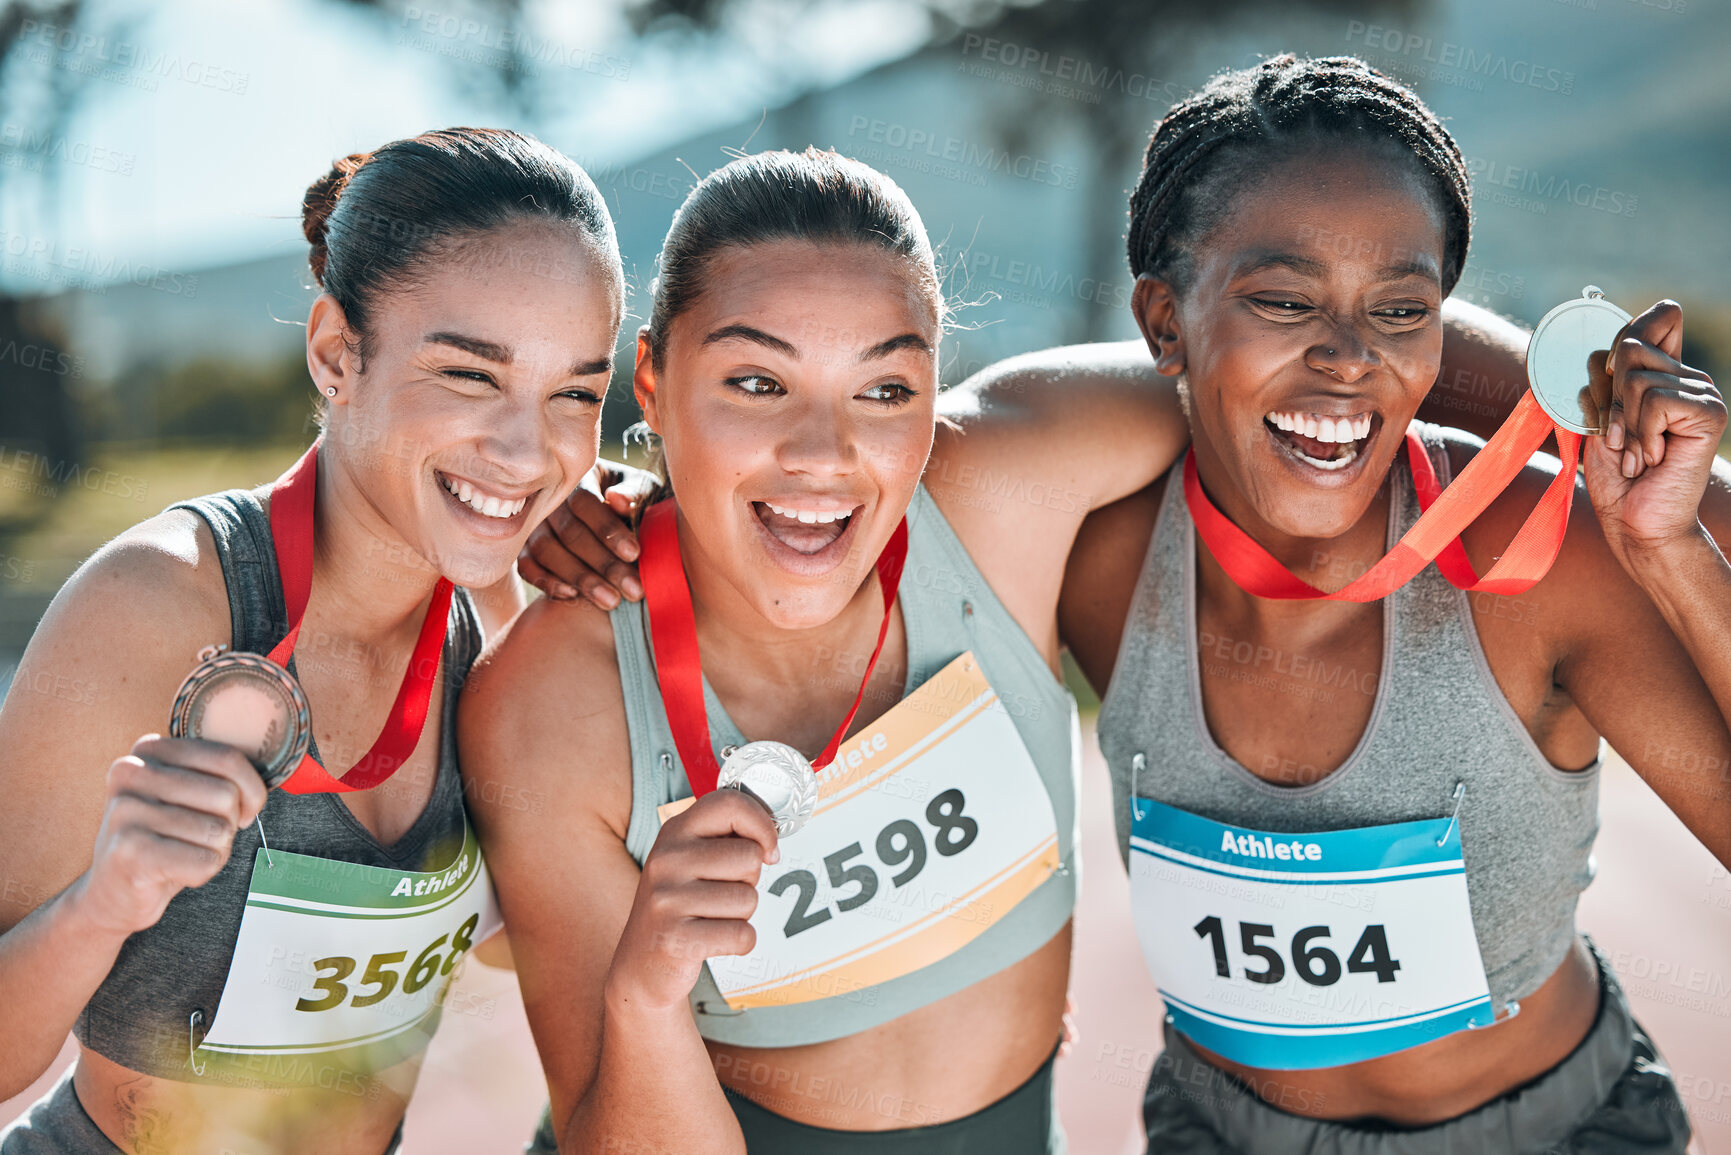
(174, 808)
(1647, 474)
(695, 898)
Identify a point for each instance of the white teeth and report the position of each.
(481, 503)
(1319, 428)
(808, 517)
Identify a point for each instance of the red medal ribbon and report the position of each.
(291, 531)
(1435, 536)
(673, 633)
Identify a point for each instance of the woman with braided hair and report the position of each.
(1295, 230)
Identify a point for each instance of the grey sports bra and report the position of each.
(1439, 719)
(948, 609)
(143, 1013)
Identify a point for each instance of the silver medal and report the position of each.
(1566, 359)
(249, 702)
(776, 775)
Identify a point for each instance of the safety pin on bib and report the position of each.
(191, 1046)
(1460, 792)
(1510, 1010)
(1138, 763)
(268, 860)
(729, 1013)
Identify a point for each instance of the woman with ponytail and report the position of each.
(260, 971)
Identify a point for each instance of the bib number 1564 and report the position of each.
(1315, 963)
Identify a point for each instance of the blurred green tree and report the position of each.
(37, 406)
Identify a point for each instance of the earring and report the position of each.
(330, 390)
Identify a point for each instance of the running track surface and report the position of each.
(1660, 909)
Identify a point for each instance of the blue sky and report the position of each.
(208, 119)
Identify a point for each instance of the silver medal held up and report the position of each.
(247, 701)
(776, 775)
(1566, 361)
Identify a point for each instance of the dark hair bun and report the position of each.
(378, 219)
(317, 205)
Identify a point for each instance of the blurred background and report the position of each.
(153, 285)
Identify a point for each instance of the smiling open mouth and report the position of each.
(804, 529)
(1321, 442)
(484, 504)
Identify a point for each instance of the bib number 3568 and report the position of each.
(901, 842)
(431, 962)
(1312, 959)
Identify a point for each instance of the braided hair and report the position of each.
(1216, 140)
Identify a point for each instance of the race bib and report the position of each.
(931, 824)
(336, 957)
(1298, 951)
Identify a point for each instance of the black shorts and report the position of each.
(1024, 1122)
(1612, 1094)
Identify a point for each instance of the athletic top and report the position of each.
(1526, 827)
(141, 1015)
(948, 609)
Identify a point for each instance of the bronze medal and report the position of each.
(249, 702)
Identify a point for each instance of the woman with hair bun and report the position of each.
(254, 971)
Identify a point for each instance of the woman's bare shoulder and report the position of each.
(100, 672)
(154, 595)
(543, 710)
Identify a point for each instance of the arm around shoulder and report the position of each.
(1087, 423)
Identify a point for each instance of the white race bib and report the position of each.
(334, 957)
(931, 824)
(1298, 951)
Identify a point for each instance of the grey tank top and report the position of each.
(1526, 827)
(947, 609)
(141, 1015)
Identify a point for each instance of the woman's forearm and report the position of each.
(50, 965)
(654, 1088)
(1690, 583)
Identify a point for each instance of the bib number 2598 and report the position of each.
(900, 844)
